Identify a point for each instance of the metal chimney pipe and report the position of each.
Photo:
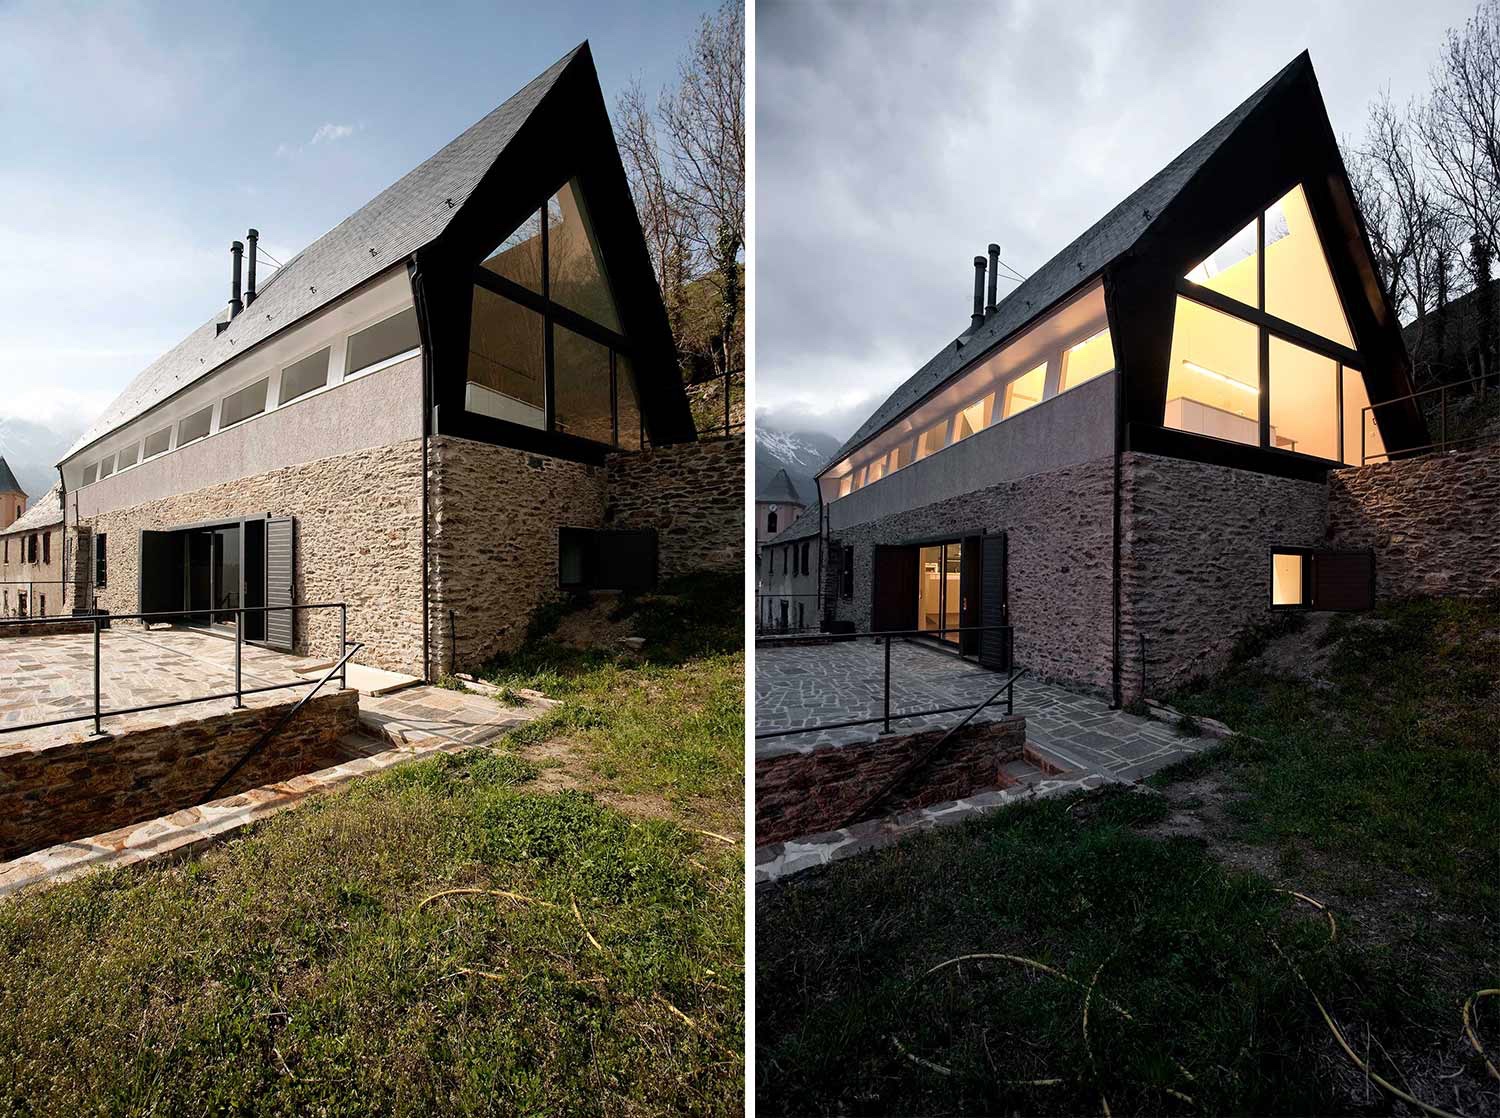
(978, 319)
(236, 251)
(994, 275)
(252, 238)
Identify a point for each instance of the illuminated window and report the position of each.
(1286, 578)
(875, 471)
(933, 439)
(1304, 401)
(1025, 391)
(846, 485)
(1213, 381)
(1088, 359)
(1233, 268)
(1356, 399)
(975, 417)
(1299, 285)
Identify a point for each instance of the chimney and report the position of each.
(252, 239)
(994, 275)
(236, 250)
(978, 319)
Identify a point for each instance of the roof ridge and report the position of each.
(8, 482)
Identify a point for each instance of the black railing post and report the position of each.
(452, 642)
(343, 646)
(239, 644)
(887, 684)
(1363, 417)
(98, 722)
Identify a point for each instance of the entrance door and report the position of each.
(893, 589)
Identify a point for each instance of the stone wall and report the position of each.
(800, 794)
(1195, 567)
(55, 793)
(1433, 522)
(1061, 552)
(493, 544)
(359, 541)
(693, 494)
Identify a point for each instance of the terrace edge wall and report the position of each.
(693, 494)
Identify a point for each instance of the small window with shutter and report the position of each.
(1304, 578)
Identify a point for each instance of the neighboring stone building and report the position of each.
(776, 507)
(459, 401)
(33, 559)
(1127, 459)
(12, 497)
(791, 571)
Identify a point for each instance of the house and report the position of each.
(776, 506)
(1128, 458)
(33, 556)
(791, 572)
(458, 402)
(12, 496)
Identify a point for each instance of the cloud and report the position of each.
(328, 133)
(48, 405)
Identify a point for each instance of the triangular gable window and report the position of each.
(577, 275)
(519, 257)
(1233, 269)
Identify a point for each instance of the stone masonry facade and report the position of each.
(1061, 539)
(693, 494)
(1195, 567)
(59, 792)
(359, 541)
(493, 544)
(801, 794)
(1433, 522)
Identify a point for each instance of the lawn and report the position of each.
(591, 961)
(1371, 788)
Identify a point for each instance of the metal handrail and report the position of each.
(1443, 442)
(238, 694)
(887, 717)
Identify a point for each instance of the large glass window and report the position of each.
(933, 439)
(1086, 360)
(1213, 381)
(507, 361)
(1233, 269)
(1356, 399)
(629, 418)
(1025, 391)
(975, 417)
(1304, 401)
(240, 406)
(519, 256)
(575, 266)
(1299, 284)
(382, 341)
(302, 377)
(581, 377)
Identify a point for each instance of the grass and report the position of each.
(296, 970)
(1376, 794)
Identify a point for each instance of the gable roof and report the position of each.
(8, 482)
(809, 523)
(1105, 241)
(384, 232)
(47, 511)
(780, 490)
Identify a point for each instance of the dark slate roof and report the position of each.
(386, 230)
(1108, 239)
(47, 511)
(780, 491)
(8, 482)
(808, 524)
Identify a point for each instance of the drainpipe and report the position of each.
(1116, 687)
(414, 273)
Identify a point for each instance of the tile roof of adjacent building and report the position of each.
(809, 523)
(386, 230)
(47, 511)
(8, 482)
(780, 490)
(1109, 238)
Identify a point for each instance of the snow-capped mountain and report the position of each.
(798, 452)
(32, 451)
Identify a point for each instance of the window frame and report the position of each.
(349, 374)
(1309, 557)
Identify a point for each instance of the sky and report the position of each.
(140, 139)
(894, 142)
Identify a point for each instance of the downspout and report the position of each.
(1117, 690)
(420, 302)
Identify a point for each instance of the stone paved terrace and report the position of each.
(807, 684)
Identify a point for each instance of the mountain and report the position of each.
(799, 453)
(33, 452)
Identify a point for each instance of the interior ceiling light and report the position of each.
(1241, 385)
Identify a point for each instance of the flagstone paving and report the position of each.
(804, 685)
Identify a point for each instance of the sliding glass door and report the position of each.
(939, 570)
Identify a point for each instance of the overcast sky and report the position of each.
(894, 142)
(139, 139)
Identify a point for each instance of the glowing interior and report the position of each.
(1299, 285)
(1213, 382)
(1286, 579)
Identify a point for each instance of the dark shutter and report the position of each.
(847, 569)
(281, 567)
(1343, 580)
(161, 573)
(970, 581)
(893, 594)
(994, 647)
(590, 559)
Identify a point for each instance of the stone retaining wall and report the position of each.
(1195, 568)
(493, 544)
(800, 794)
(46, 629)
(693, 494)
(55, 793)
(359, 541)
(1061, 552)
(1433, 522)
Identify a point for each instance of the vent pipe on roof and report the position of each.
(978, 319)
(994, 276)
(236, 252)
(252, 238)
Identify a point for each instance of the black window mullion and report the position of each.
(614, 402)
